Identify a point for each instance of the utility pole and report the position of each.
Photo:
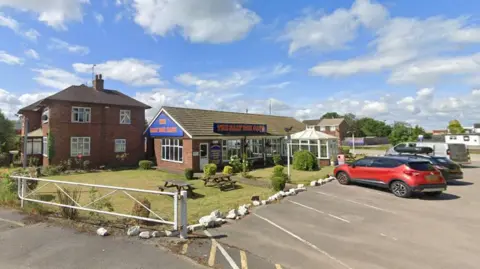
(270, 106)
(25, 141)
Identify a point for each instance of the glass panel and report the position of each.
(180, 152)
(203, 150)
(163, 152)
(175, 154)
(323, 151)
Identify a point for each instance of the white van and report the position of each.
(455, 152)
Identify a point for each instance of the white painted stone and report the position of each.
(102, 231)
(207, 221)
(313, 183)
(264, 202)
(320, 182)
(232, 214)
(220, 221)
(133, 231)
(301, 189)
(216, 214)
(172, 233)
(196, 227)
(159, 234)
(237, 218)
(248, 205)
(300, 186)
(242, 210)
(325, 181)
(144, 235)
(256, 203)
(331, 178)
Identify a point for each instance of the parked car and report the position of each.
(455, 152)
(401, 175)
(450, 170)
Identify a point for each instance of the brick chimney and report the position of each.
(98, 83)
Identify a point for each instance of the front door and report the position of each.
(203, 155)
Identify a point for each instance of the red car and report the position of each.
(402, 176)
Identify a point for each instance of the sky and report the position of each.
(414, 61)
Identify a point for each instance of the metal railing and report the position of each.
(178, 223)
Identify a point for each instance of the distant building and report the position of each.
(337, 127)
(439, 132)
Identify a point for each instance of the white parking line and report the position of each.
(319, 211)
(304, 241)
(355, 202)
(13, 222)
(391, 237)
(223, 251)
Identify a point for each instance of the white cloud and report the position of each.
(10, 103)
(326, 32)
(129, 71)
(233, 81)
(58, 44)
(54, 13)
(10, 59)
(281, 69)
(428, 72)
(11, 23)
(32, 54)
(56, 78)
(98, 17)
(210, 21)
(276, 86)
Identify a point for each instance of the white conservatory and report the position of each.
(322, 145)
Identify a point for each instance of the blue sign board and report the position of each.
(164, 126)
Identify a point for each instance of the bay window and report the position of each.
(34, 145)
(230, 148)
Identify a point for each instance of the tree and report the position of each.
(7, 134)
(352, 123)
(401, 132)
(454, 127)
(372, 127)
(331, 115)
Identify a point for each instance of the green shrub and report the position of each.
(102, 204)
(140, 211)
(4, 159)
(86, 165)
(305, 161)
(236, 163)
(278, 183)
(51, 170)
(64, 198)
(33, 161)
(278, 171)
(145, 164)
(188, 173)
(8, 189)
(277, 159)
(228, 170)
(209, 170)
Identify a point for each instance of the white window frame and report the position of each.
(125, 116)
(230, 145)
(45, 146)
(168, 148)
(80, 141)
(87, 113)
(34, 143)
(46, 111)
(322, 128)
(120, 145)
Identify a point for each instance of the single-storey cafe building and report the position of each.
(180, 138)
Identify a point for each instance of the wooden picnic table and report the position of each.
(179, 185)
(221, 180)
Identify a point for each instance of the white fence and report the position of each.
(179, 220)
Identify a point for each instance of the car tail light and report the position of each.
(410, 173)
(448, 152)
(438, 167)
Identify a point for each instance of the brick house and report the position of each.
(97, 123)
(180, 138)
(337, 127)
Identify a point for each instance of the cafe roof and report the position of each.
(311, 134)
(199, 122)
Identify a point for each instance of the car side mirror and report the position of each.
(353, 165)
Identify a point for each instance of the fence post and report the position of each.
(175, 211)
(183, 215)
(23, 182)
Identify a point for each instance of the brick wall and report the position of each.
(103, 129)
(188, 159)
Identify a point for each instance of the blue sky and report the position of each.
(406, 60)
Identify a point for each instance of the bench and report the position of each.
(179, 185)
(221, 180)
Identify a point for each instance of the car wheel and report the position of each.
(343, 178)
(432, 194)
(400, 189)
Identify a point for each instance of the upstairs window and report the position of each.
(125, 117)
(81, 114)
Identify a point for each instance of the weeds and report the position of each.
(66, 212)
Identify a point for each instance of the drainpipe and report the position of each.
(25, 142)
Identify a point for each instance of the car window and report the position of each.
(421, 166)
(385, 163)
(400, 146)
(364, 162)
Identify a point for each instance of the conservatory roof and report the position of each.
(311, 134)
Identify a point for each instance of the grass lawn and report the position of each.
(209, 198)
(298, 177)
